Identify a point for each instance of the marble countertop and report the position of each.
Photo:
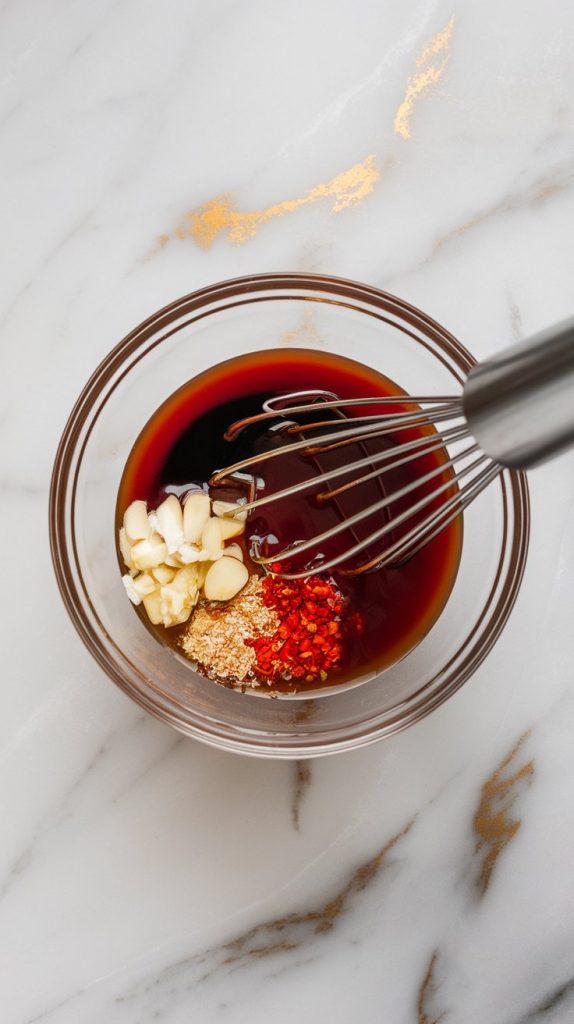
(150, 149)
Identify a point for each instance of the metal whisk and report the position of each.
(515, 411)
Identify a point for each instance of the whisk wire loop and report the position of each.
(454, 481)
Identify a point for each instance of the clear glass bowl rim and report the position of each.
(68, 460)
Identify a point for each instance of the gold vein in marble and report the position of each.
(538, 193)
(220, 216)
(294, 930)
(494, 827)
(302, 781)
(291, 932)
(424, 79)
(439, 42)
(427, 991)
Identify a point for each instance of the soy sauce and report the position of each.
(183, 444)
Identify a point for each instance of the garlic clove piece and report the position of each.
(230, 527)
(186, 580)
(147, 554)
(136, 522)
(202, 571)
(145, 584)
(126, 549)
(152, 605)
(221, 508)
(188, 553)
(225, 579)
(134, 595)
(233, 551)
(163, 574)
(196, 511)
(175, 605)
(177, 620)
(212, 540)
(170, 522)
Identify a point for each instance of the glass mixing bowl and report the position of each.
(245, 315)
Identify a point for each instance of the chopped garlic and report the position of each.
(145, 584)
(234, 551)
(152, 605)
(175, 605)
(196, 512)
(212, 540)
(221, 508)
(126, 550)
(186, 580)
(170, 523)
(229, 527)
(147, 554)
(136, 522)
(163, 574)
(173, 553)
(202, 571)
(131, 591)
(188, 553)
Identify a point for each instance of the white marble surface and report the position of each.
(143, 876)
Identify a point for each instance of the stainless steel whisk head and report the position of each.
(514, 411)
(474, 470)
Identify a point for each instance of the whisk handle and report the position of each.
(519, 405)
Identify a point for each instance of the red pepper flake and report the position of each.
(308, 640)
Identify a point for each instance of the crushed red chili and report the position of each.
(307, 642)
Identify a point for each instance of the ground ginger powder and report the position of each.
(217, 630)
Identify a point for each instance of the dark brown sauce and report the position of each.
(183, 444)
